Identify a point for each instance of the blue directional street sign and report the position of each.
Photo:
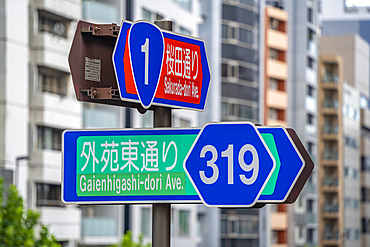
(158, 67)
(229, 164)
(289, 164)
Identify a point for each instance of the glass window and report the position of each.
(274, 54)
(273, 84)
(309, 15)
(310, 91)
(224, 31)
(246, 35)
(146, 222)
(48, 195)
(147, 15)
(184, 223)
(52, 23)
(49, 138)
(363, 102)
(273, 114)
(52, 81)
(274, 24)
(310, 119)
(185, 31)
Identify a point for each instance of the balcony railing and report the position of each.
(331, 208)
(331, 104)
(330, 78)
(330, 129)
(99, 227)
(331, 235)
(330, 181)
(330, 155)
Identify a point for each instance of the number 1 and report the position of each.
(145, 49)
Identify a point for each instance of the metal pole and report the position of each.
(161, 213)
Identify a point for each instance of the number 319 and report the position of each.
(229, 154)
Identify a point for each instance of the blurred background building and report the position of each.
(264, 60)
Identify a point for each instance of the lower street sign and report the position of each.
(221, 165)
(127, 166)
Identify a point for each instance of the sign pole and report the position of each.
(161, 213)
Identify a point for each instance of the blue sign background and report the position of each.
(291, 164)
(146, 63)
(221, 193)
(118, 55)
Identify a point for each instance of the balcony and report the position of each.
(312, 48)
(330, 181)
(311, 218)
(332, 155)
(365, 146)
(330, 104)
(311, 76)
(277, 40)
(311, 104)
(330, 78)
(99, 227)
(277, 99)
(330, 210)
(330, 129)
(365, 117)
(279, 221)
(331, 235)
(277, 69)
(100, 12)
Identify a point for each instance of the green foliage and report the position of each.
(127, 241)
(17, 224)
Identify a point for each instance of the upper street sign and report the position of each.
(229, 164)
(157, 67)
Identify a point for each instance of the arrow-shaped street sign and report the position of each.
(289, 165)
(158, 67)
(227, 164)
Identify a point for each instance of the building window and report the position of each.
(274, 24)
(49, 138)
(274, 54)
(48, 195)
(273, 84)
(185, 4)
(185, 31)
(310, 235)
(364, 103)
(310, 119)
(233, 32)
(309, 15)
(184, 223)
(52, 23)
(52, 81)
(310, 91)
(233, 71)
(147, 15)
(146, 222)
(246, 36)
(273, 114)
(310, 63)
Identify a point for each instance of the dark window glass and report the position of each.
(48, 195)
(246, 36)
(235, 13)
(52, 23)
(49, 138)
(239, 53)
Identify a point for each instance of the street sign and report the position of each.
(222, 164)
(158, 67)
(229, 164)
(289, 164)
(127, 166)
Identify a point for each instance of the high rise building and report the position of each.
(301, 87)
(275, 104)
(344, 88)
(37, 104)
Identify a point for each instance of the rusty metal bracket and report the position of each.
(102, 30)
(101, 93)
